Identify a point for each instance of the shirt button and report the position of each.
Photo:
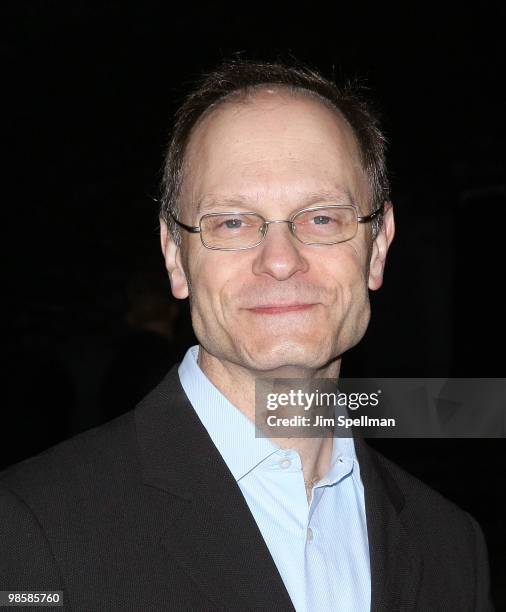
(286, 463)
(310, 534)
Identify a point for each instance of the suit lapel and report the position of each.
(396, 565)
(206, 523)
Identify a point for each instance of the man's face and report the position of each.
(274, 155)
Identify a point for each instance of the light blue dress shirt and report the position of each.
(320, 549)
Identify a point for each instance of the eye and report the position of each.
(233, 223)
(322, 220)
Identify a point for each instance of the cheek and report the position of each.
(350, 310)
(357, 291)
(210, 279)
(348, 270)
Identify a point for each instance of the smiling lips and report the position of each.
(273, 309)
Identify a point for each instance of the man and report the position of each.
(275, 223)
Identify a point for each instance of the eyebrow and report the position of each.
(339, 196)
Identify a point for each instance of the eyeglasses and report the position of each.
(319, 225)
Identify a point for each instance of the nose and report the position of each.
(279, 254)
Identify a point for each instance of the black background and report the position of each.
(89, 90)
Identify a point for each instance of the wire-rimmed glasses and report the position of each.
(318, 225)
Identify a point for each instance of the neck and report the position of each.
(237, 384)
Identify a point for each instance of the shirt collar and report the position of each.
(233, 433)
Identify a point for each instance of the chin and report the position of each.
(285, 355)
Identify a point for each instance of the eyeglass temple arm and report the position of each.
(371, 216)
(196, 229)
(190, 228)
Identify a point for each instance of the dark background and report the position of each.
(89, 91)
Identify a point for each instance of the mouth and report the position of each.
(277, 309)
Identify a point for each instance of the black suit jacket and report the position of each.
(142, 513)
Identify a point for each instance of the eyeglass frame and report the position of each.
(197, 229)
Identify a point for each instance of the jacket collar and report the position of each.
(396, 564)
(206, 523)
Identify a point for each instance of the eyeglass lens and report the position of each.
(243, 230)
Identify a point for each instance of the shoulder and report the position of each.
(99, 469)
(55, 496)
(98, 457)
(444, 532)
(420, 502)
(448, 539)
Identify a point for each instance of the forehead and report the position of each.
(272, 145)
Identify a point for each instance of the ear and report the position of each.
(172, 255)
(380, 248)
